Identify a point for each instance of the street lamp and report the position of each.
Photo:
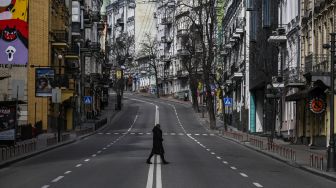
(60, 57)
(331, 148)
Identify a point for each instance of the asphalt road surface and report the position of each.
(116, 157)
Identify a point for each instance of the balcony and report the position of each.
(278, 36)
(60, 39)
(96, 16)
(100, 26)
(182, 74)
(183, 52)
(317, 67)
(166, 21)
(94, 46)
(293, 77)
(166, 39)
(72, 53)
(120, 21)
(182, 32)
(166, 57)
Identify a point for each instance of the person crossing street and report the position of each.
(157, 145)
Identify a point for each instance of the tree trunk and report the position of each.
(193, 88)
(210, 101)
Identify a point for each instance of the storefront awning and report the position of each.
(313, 91)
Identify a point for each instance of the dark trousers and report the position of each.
(161, 155)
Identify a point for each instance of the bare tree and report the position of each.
(122, 51)
(151, 49)
(202, 14)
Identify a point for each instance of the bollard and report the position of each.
(316, 161)
(321, 163)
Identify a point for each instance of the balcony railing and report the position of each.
(94, 46)
(293, 76)
(182, 32)
(166, 39)
(166, 21)
(61, 35)
(317, 63)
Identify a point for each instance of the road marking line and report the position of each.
(205, 134)
(225, 162)
(94, 155)
(87, 160)
(140, 133)
(157, 115)
(108, 133)
(45, 186)
(208, 149)
(233, 168)
(100, 133)
(57, 179)
(99, 151)
(67, 172)
(219, 157)
(212, 134)
(104, 148)
(158, 172)
(116, 133)
(244, 175)
(150, 175)
(132, 133)
(79, 165)
(212, 153)
(148, 133)
(181, 134)
(172, 134)
(257, 184)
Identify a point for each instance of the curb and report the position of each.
(29, 155)
(44, 150)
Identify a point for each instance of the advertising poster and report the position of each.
(7, 122)
(44, 77)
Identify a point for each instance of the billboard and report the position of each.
(14, 32)
(43, 80)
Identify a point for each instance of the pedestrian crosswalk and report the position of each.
(149, 133)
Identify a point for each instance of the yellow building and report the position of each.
(48, 47)
(317, 21)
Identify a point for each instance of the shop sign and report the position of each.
(317, 105)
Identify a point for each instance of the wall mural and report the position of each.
(14, 32)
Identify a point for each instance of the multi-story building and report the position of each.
(120, 32)
(317, 21)
(290, 75)
(235, 66)
(50, 29)
(165, 37)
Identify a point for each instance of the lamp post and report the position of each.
(60, 57)
(331, 148)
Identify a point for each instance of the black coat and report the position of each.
(157, 141)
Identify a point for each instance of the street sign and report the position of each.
(56, 95)
(87, 100)
(228, 101)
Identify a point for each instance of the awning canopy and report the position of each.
(317, 90)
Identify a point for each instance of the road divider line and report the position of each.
(244, 175)
(87, 160)
(233, 168)
(57, 179)
(150, 175)
(158, 172)
(67, 172)
(79, 165)
(257, 184)
(45, 186)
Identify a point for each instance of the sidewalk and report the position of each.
(299, 156)
(48, 141)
